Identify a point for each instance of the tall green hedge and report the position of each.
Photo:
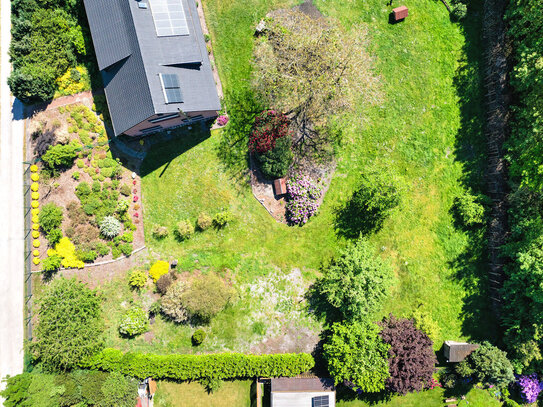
(194, 367)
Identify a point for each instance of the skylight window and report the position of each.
(171, 88)
(169, 17)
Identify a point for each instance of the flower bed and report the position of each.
(96, 197)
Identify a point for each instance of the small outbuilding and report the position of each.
(302, 392)
(457, 351)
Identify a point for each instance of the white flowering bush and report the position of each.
(110, 227)
(134, 322)
(303, 194)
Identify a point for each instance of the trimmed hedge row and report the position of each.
(194, 367)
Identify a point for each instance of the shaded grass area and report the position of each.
(231, 393)
(426, 132)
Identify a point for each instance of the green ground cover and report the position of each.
(426, 132)
(231, 393)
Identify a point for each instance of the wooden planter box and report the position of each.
(399, 13)
(280, 186)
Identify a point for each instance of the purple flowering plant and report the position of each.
(530, 387)
(303, 194)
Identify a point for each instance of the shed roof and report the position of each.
(295, 384)
(458, 351)
(131, 57)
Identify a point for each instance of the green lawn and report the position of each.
(426, 132)
(231, 394)
(238, 394)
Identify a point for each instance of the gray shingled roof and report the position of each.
(131, 57)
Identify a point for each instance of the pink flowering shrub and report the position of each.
(134, 182)
(222, 120)
(530, 387)
(135, 199)
(302, 194)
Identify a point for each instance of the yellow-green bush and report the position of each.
(35, 186)
(35, 211)
(34, 168)
(66, 249)
(73, 81)
(35, 234)
(35, 218)
(35, 177)
(36, 261)
(35, 195)
(159, 269)
(35, 226)
(35, 204)
(36, 243)
(36, 253)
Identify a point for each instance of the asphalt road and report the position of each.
(11, 214)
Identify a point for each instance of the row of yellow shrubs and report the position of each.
(35, 204)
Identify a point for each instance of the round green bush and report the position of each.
(459, 12)
(198, 337)
(184, 230)
(110, 227)
(160, 232)
(50, 217)
(221, 219)
(137, 279)
(204, 221)
(276, 162)
(54, 236)
(134, 322)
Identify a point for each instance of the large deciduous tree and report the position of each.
(411, 359)
(357, 356)
(70, 325)
(309, 68)
(357, 282)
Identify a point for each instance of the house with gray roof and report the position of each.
(154, 63)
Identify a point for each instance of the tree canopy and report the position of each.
(357, 282)
(357, 356)
(309, 68)
(411, 359)
(70, 325)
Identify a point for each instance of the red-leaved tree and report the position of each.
(411, 359)
(269, 126)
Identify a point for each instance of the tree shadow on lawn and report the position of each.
(471, 266)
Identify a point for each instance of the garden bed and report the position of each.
(87, 188)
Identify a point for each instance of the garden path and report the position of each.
(11, 214)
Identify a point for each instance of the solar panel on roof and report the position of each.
(169, 17)
(171, 87)
(320, 401)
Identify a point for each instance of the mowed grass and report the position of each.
(231, 393)
(419, 133)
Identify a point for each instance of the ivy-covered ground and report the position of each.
(426, 132)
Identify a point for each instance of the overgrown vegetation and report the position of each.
(70, 325)
(49, 41)
(522, 316)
